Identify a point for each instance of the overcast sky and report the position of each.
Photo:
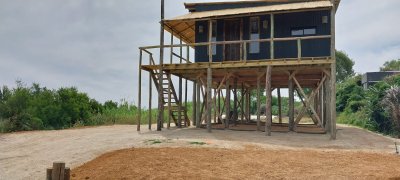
(93, 44)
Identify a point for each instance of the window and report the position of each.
(214, 38)
(254, 35)
(304, 31)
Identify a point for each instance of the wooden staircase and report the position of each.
(175, 102)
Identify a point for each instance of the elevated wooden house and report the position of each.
(240, 47)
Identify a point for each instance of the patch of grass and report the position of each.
(197, 143)
(154, 141)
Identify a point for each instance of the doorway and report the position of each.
(232, 32)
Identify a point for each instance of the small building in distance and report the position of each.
(370, 78)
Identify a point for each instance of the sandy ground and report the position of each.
(26, 155)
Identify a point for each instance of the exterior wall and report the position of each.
(284, 23)
(370, 78)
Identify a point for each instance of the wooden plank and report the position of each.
(236, 42)
(58, 171)
(268, 111)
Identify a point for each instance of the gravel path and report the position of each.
(26, 155)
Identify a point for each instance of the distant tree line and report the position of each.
(36, 108)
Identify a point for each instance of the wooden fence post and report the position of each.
(58, 172)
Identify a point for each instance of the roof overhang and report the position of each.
(183, 27)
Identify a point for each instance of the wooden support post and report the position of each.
(194, 104)
(291, 103)
(248, 104)
(150, 99)
(49, 172)
(209, 101)
(299, 49)
(268, 111)
(258, 104)
(198, 106)
(215, 109)
(218, 105)
(180, 88)
(279, 105)
(235, 101)
(169, 84)
(140, 92)
(333, 74)
(242, 104)
(227, 103)
(58, 171)
(271, 49)
(185, 110)
(160, 119)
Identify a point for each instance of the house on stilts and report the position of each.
(227, 50)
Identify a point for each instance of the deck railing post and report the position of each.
(271, 49)
(299, 49)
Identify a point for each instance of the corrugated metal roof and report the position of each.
(184, 26)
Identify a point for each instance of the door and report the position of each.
(232, 33)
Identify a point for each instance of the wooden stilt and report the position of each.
(215, 109)
(185, 110)
(209, 101)
(258, 104)
(160, 119)
(268, 111)
(291, 103)
(198, 106)
(235, 101)
(333, 74)
(169, 84)
(140, 92)
(150, 99)
(180, 90)
(227, 103)
(248, 105)
(242, 104)
(219, 106)
(194, 104)
(279, 105)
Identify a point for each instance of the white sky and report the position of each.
(93, 44)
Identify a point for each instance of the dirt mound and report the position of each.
(248, 163)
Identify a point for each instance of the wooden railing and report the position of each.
(243, 46)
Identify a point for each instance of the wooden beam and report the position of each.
(194, 104)
(268, 111)
(291, 103)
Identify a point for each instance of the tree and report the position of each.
(391, 102)
(393, 65)
(344, 66)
